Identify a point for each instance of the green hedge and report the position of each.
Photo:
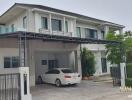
(129, 82)
(129, 70)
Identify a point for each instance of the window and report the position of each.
(52, 64)
(90, 33)
(12, 28)
(102, 34)
(78, 31)
(65, 71)
(104, 65)
(53, 72)
(11, 62)
(25, 22)
(66, 26)
(44, 62)
(56, 25)
(44, 22)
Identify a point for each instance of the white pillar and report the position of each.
(78, 61)
(50, 24)
(121, 31)
(74, 25)
(24, 76)
(123, 73)
(106, 29)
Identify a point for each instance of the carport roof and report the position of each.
(48, 37)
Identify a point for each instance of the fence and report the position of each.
(14, 84)
(10, 87)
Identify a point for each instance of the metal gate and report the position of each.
(10, 87)
(116, 75)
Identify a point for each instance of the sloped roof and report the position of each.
(63, 12)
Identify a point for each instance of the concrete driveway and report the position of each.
(87, 90)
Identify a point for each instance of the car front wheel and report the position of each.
(58, 83)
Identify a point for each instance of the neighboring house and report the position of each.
(55, 38)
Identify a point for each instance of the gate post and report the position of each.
(24, 83)
(123, 74)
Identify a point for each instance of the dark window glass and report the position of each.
(7, 62)
(53, 72)
(56, 72)
(102, 34)
(78, 31)
(90, 33)
(44, 62)
(11, 62)
(66, 25)
(15, 62)
(52, 64)
(24, 22)
(44, 22)
(56, 25)
(104, 65)
(66, 71)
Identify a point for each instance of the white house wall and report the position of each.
(17, 21)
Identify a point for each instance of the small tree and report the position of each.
(88, 62)
(113, 51)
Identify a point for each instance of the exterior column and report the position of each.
(121, 31)
(106, 29)
(78, 62)
(50, 24)
(74, 31)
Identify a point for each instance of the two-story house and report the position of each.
(52, 38)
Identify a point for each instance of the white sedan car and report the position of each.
(61, 76)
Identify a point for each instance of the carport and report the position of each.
(33, 45)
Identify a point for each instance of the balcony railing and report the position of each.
(4, 30)
(60, 33)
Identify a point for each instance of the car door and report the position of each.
(47, 76)
(55, 75)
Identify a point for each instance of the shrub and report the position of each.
(87, 62)
(129, 82)
(129, 70)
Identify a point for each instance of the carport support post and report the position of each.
(78, 61)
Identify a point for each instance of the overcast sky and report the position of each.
(117, 11)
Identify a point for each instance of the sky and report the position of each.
(117, 11)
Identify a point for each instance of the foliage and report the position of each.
(113, 51)
(129, 70)
(128, 82)
(88, 62)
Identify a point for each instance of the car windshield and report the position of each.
(67, 71)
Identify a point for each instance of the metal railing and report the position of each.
(10, 87)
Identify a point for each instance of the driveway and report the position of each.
(87, 90)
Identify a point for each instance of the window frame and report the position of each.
(78, 34)
(12, 61)
(44, 25)
(59, 24)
